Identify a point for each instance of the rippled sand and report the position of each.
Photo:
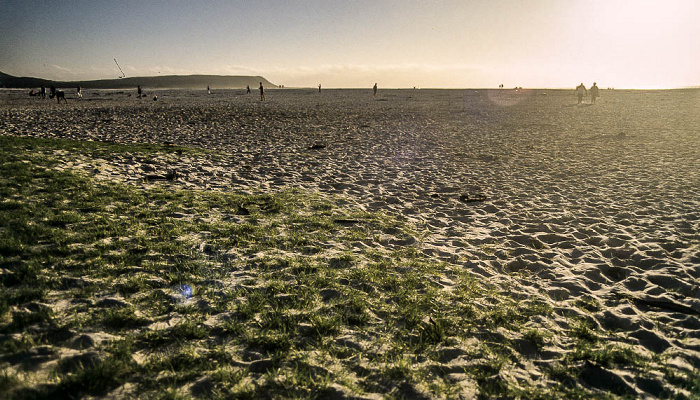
(525, 189)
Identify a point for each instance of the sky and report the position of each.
(355, 43)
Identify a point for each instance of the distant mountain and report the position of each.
(147, 82)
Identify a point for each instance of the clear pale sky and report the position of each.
(346, 43)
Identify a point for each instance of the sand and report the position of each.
(527, 190)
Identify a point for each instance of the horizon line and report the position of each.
(607, 87)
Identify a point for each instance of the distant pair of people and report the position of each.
(581, 91)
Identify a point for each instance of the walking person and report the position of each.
(80, 92)
(594, 92)
(580, 92)
(262, 92)
(247, 89)
(375, 89)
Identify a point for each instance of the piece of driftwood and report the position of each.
(472, 198)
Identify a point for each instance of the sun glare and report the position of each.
(646, 39)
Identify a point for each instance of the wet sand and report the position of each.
(527, 190)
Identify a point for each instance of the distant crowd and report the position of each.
(54, 93)
(60, 95)
(580, 91)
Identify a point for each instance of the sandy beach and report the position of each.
(591, 209)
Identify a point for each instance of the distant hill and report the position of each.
(147, 82)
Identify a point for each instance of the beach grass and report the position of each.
(294, 295)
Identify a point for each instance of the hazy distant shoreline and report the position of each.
(157, 82)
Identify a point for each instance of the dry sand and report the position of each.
(526, 190)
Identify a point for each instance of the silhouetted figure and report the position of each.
(594, 93)
(60, 94)
(580, 92)
(375, 90)
(80, 92)
(319, 88)
(138, 91)
(247, 89)
(42, 92)
(53, 91)
(208, 90)
(262, 92)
